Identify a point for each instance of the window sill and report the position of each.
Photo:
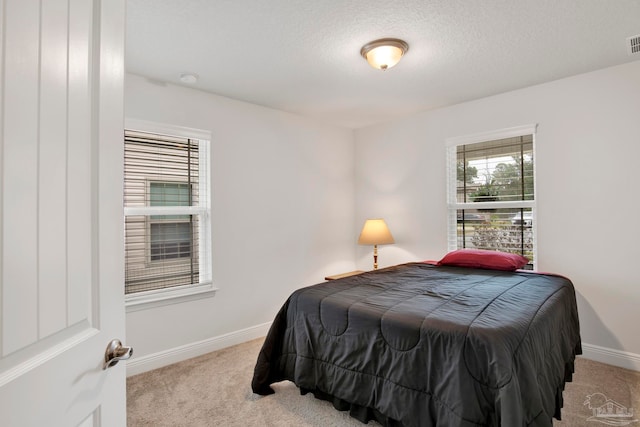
(161, 297)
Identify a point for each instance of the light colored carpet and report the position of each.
(215, 390)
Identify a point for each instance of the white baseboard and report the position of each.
(622, 359)
(138, 365)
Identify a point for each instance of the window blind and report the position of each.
(166, 211)
(492, 195)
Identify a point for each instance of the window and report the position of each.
(167, 212)
(171, 236)
(491, 192)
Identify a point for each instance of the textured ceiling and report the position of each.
(303, 56)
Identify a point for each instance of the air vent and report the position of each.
(633, 45)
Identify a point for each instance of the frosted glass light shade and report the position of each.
(375, 232)
(384, 53)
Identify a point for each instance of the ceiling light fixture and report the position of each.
(384, 53)
(188, 78)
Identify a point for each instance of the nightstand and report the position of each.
(340, 276)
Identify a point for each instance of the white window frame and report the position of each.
(172, 295)
(452, 202)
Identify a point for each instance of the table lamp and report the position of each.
(375, 232)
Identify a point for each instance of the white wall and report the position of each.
(282, 213)
(284, 190)
(588, 188)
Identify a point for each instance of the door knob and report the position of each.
(116, 352)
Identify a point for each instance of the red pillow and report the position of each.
(480, 258)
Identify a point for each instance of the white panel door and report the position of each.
(61, 236)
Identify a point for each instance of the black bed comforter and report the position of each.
(422, 345)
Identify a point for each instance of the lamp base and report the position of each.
(375, 257)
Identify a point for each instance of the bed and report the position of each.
(419, 344)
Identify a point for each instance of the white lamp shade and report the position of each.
(375, 232)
